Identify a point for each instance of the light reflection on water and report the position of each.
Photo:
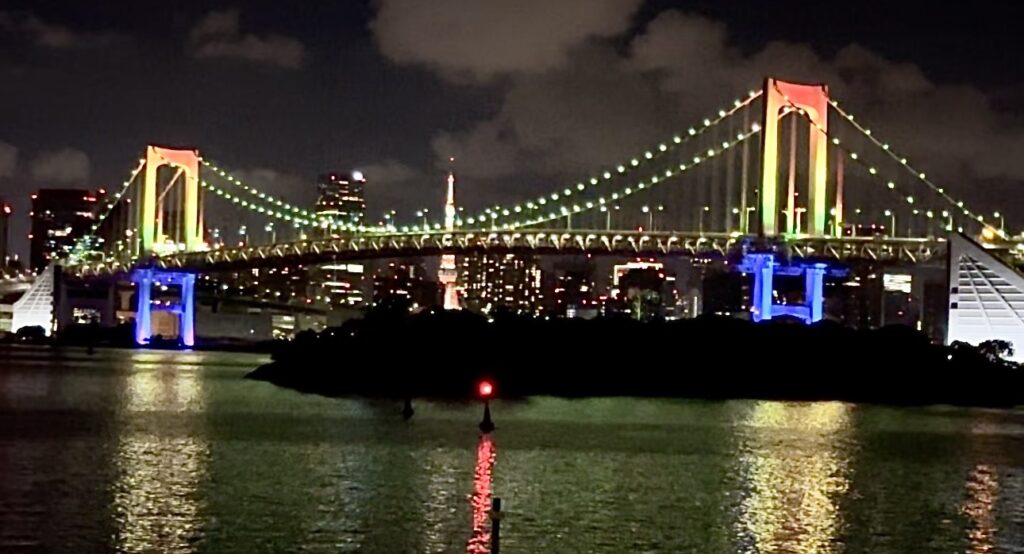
(160, 452)
(156, 496)
(982, 493)
(795, 469)
(479, 543)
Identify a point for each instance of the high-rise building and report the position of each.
(403, 284)
(643, 288)
(341, 198)
(340, 284)
(509, 281)
(723, 292)
(341, 202)
(859, 298)
(573, 292)
(59, 218)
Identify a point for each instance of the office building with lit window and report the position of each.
(340, 202)
(404, 285)
(59, 218)
(644, 288)
(341, 198)
(572, 292)
(506, 280)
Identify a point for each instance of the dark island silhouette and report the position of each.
(439, 354)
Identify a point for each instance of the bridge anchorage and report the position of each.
(731, 180)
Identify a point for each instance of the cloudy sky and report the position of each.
(524, 93)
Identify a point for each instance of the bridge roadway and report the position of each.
(366, 246)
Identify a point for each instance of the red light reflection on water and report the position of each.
(480, 500)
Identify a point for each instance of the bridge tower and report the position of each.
(447, 275)
(814, 101)
(151, 221)
(189, 236)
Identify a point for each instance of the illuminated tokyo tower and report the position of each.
(447, 274)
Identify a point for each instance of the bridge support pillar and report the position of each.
(763, 306)
(144, 280)
(187, 323)
(764, 270)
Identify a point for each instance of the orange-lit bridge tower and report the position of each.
(811, 101)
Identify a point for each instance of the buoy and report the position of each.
(486, 425)
(486, 389)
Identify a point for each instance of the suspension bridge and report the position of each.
(784, 170)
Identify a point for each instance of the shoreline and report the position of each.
(271, 374)
(706, 359)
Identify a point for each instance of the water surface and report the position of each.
(174, 452)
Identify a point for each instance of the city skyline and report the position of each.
(558, 275)
(355, 80)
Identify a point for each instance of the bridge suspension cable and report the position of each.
(565, 210)
(280, 214)
(275, 207)
(873, 171)
(540, 203)
(919, 175)
(858, 159)
(83, 244)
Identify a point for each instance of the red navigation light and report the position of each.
(486, 389)
(7, 209)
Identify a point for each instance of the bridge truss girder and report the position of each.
(554, 242)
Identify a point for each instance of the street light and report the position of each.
(1002, 222)
(423, 213)
(607, 218)
(650, 217)
(892, 230)
(746, 218)
(700, 220)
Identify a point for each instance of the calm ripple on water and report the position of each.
(139, 451)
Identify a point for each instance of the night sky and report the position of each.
(526, 94)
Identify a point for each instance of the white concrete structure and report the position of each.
(986, 297)
(35, 307)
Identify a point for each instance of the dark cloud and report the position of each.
(472, 39)
(289, 186)
(561, 122)
(50, 35)
(572, 105)
(218, 35)
(8, 159)
(390, 172)
(948, 128)
(526, 95)
(67, 166)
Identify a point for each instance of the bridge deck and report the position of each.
(542, 242)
